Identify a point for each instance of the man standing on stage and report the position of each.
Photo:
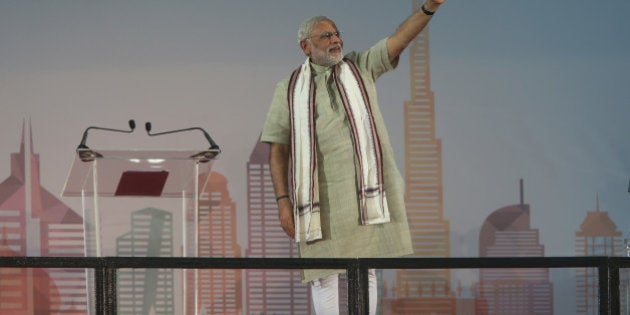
(327, 135)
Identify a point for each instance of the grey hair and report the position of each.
(306, 27)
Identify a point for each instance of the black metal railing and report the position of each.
(105, 269)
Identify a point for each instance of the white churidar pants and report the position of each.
(325, 294)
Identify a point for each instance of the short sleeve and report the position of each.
(374, 61)
(277, 127)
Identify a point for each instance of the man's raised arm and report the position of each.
(410, 28)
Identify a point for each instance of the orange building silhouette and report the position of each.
(219, 290)
(24, 290)
(598, 236)
(423, 291)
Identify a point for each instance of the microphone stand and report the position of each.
(203, 156)
(85, 153)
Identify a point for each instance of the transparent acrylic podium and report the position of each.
(142, 204)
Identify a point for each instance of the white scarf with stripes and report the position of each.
(367, 149)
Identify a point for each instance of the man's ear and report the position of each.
(306, 47)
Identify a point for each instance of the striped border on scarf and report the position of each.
(364, 192)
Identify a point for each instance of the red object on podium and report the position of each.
(141, 183)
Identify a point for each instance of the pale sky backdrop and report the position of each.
(535, 89)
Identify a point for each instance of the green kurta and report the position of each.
(343, 235)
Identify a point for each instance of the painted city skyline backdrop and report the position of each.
(541, 97)
(35, 223)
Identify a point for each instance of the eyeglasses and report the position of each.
(328, 35)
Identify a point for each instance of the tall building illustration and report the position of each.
(150, 290)
(33, 222)
(219, 290)
(269, 291)
(507, 233)
(598, 236)
(24, 290)
(422, 291)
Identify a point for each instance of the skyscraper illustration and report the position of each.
(150, 290)
(507, 233)
(422, 291)
(33, 222)
(269, 291)
(598, 236)
(219, 290)
(24, 290)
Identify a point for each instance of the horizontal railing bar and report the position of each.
(176, 262)
(312, 263)
(52, 262)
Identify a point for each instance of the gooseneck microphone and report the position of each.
(205, 156)
(132, 126)
(85, 153)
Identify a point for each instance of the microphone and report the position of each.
(203, 156)
(85, 153)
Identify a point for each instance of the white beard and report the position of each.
(325, 58)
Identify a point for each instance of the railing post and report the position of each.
(615, 302)
(110, 291)
(604, 287)
(353, 274)
(364, 289)
(99, 289)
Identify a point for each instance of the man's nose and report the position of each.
(335, 39)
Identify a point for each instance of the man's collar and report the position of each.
(320, 69)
